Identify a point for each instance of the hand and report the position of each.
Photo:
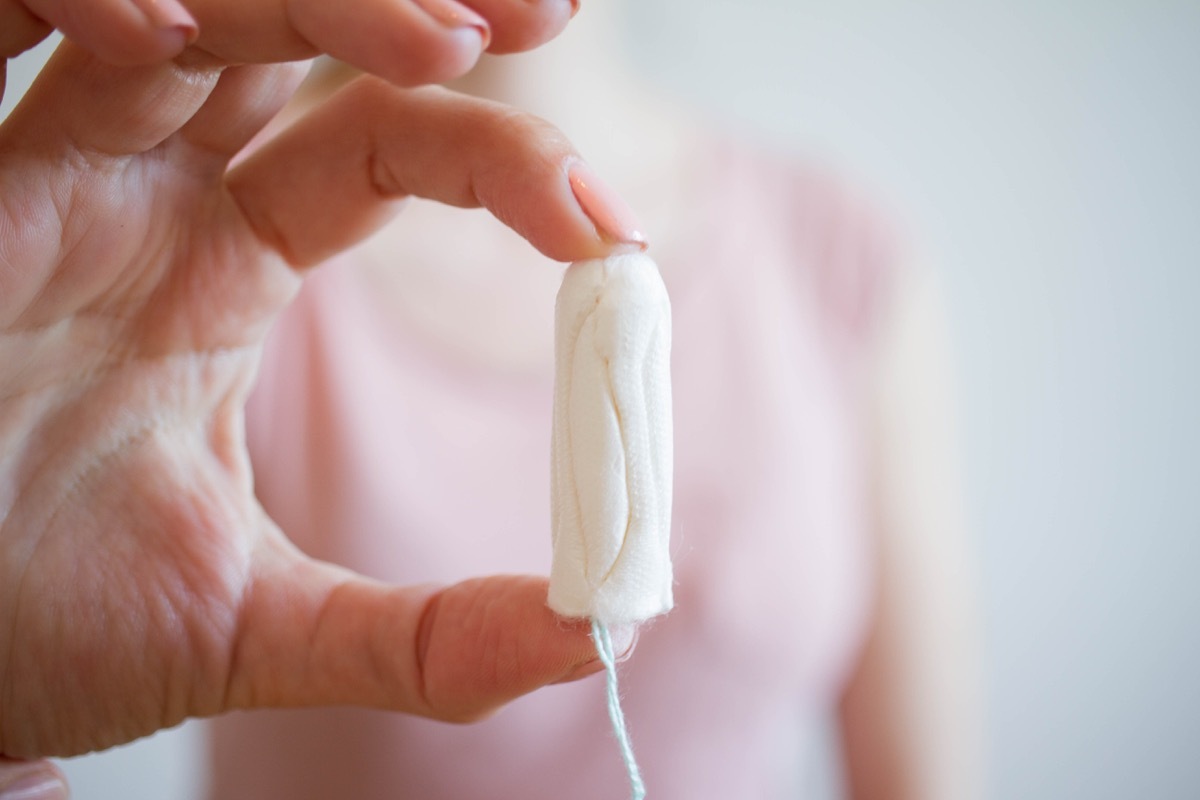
(140, 581)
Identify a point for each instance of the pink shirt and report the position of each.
(373, 450)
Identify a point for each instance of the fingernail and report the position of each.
(624, 640)
(39, 786)
(455, 15)
(170, 15)
(613, 218)
(580, 671)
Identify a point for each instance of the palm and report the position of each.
(128, 354)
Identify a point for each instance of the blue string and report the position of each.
(604, 647)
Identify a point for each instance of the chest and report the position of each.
(431, 469)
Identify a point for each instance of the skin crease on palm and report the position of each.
(140, 582)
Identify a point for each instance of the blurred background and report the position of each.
(1044, 154)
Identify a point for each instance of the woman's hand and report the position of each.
(140, 581)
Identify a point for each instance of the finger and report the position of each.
(372, 144)
(80, 102)
(407, 42)
(244, 100)
(523, 26)
(31, 780)
(313, 634)
(119, 31)
(20, 29)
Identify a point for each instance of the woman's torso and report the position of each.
(384, 443)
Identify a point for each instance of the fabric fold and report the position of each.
(611, 443)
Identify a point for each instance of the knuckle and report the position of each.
(529, 134)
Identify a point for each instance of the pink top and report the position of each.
(375, 451)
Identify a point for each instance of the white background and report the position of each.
(1045, 155)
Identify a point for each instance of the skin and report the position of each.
(140, 581)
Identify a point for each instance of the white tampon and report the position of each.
(611, 443)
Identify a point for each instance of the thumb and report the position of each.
(315, 634)
(31, 780)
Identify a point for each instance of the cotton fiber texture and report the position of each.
(611, 443)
